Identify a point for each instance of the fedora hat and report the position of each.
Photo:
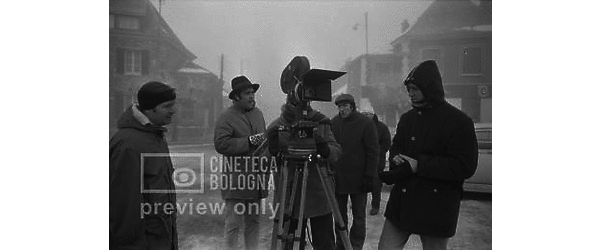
(240, 83)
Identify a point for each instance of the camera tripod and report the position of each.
(285, 237)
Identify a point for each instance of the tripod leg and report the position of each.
(288, 236)
(298, 239)
(278, 222)
(337, 216)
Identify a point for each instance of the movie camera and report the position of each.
(302, 85)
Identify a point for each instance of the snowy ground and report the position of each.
(203, 228)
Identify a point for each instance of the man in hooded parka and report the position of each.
(433, 152)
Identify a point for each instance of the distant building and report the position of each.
(143, 48)
(458, 35)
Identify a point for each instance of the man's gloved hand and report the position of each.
(389, 177)
(322, 146)
(273, 137)
(367, 184)
(256, 139)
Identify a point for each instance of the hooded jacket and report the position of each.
(134, 224)
(442, 140)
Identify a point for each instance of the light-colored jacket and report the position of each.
(231, 140)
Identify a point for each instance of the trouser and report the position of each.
(358, 231)
(240, 213)
(376, 194)
(394, 238)
(321, 231)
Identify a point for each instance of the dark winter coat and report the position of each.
(385, 140)
(358, 137)
(130, 228)
(231, 140)
(316, 200)
(442, 140)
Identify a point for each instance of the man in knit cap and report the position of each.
(433, 152)
(138, 219)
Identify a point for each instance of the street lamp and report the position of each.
(355, 27)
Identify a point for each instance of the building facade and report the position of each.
(458, 35)
(142, 48)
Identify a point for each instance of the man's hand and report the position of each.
(273, 136)
(367, 184)
(389, 177)
(322, 145)
(400, 158)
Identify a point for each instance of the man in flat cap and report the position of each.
(239, 132)
(356, 168)
(138, 219)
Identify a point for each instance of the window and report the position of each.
(128, 23)
(472, 60)
(133, 62)
(433, 54)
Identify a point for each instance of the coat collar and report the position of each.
(139, 116)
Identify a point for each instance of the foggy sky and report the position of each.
(258, 39)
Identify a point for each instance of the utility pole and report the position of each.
(219, 101)
(367, 32)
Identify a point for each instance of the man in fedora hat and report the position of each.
(239, 132)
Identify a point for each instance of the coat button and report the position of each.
(404, 190)
(435, 190)
(413, 138)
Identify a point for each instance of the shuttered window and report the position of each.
(132, 62)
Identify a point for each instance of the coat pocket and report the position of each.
(436, 210)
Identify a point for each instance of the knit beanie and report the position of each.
(152, 94)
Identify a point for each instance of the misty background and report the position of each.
(258, 39)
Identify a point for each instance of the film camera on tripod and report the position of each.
(304, 145)
(303, 85)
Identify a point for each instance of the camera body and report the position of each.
(302, 143)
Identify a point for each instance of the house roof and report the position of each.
(167, 32)
(131, 7)
(448, 18)
(192, 67)
(147, 9)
